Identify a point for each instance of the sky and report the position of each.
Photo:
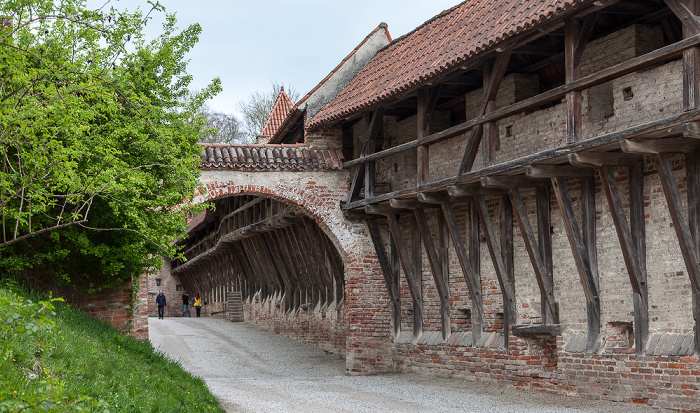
(249, 44)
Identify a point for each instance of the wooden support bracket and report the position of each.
(596, 159)
(655, 146)
(549, 171)
(581, 245)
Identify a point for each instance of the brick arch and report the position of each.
(316, 198)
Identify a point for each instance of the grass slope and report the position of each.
(56, 359)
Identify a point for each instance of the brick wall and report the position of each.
(115, 306)
(324, 327)
(667, 375)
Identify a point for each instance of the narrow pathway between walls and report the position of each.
(252, 370)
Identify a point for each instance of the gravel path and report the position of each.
(252, 370)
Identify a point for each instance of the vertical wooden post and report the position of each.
(544, 234)
(423, 129)
(691, 60)
(573, 72)
(576, 37)
(505, 227)
(490, 128)
(417, 264)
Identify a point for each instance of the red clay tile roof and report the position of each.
(443, 42)
(296, 157)
(282, 108)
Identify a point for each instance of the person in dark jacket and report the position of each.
(160, 300)
(186, 305)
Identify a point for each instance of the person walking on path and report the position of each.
(197, 303)
(160, 301)
(186, 305)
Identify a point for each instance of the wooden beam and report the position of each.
(509, 181)
(469, 271)
(543, 272)
(691, 130)
(436, 265)
(655, 146)
(390, 277)
(549, 171)
(687, 17)
(630, 243)
(537, 330)
(417, 264)
(586, 269)
(544, 235)
(406, 204)
(505, 226)
(507, 288)
(471, 190)
(596, 159)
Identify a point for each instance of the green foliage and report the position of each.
(55, 359)
(97, 147)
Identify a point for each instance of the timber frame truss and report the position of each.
(266, 249)
(611, 158)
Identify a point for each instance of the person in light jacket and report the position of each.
(197, 303)
(160, 301)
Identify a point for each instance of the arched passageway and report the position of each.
(264, 248)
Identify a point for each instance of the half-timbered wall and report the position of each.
(545, 235)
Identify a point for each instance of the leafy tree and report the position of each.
(256, 109)
(97, 149)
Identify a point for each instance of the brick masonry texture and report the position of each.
(667, 375)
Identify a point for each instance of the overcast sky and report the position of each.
(249, 44)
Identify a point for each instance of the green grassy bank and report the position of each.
(56, 359)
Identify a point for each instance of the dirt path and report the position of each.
(253, 370)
